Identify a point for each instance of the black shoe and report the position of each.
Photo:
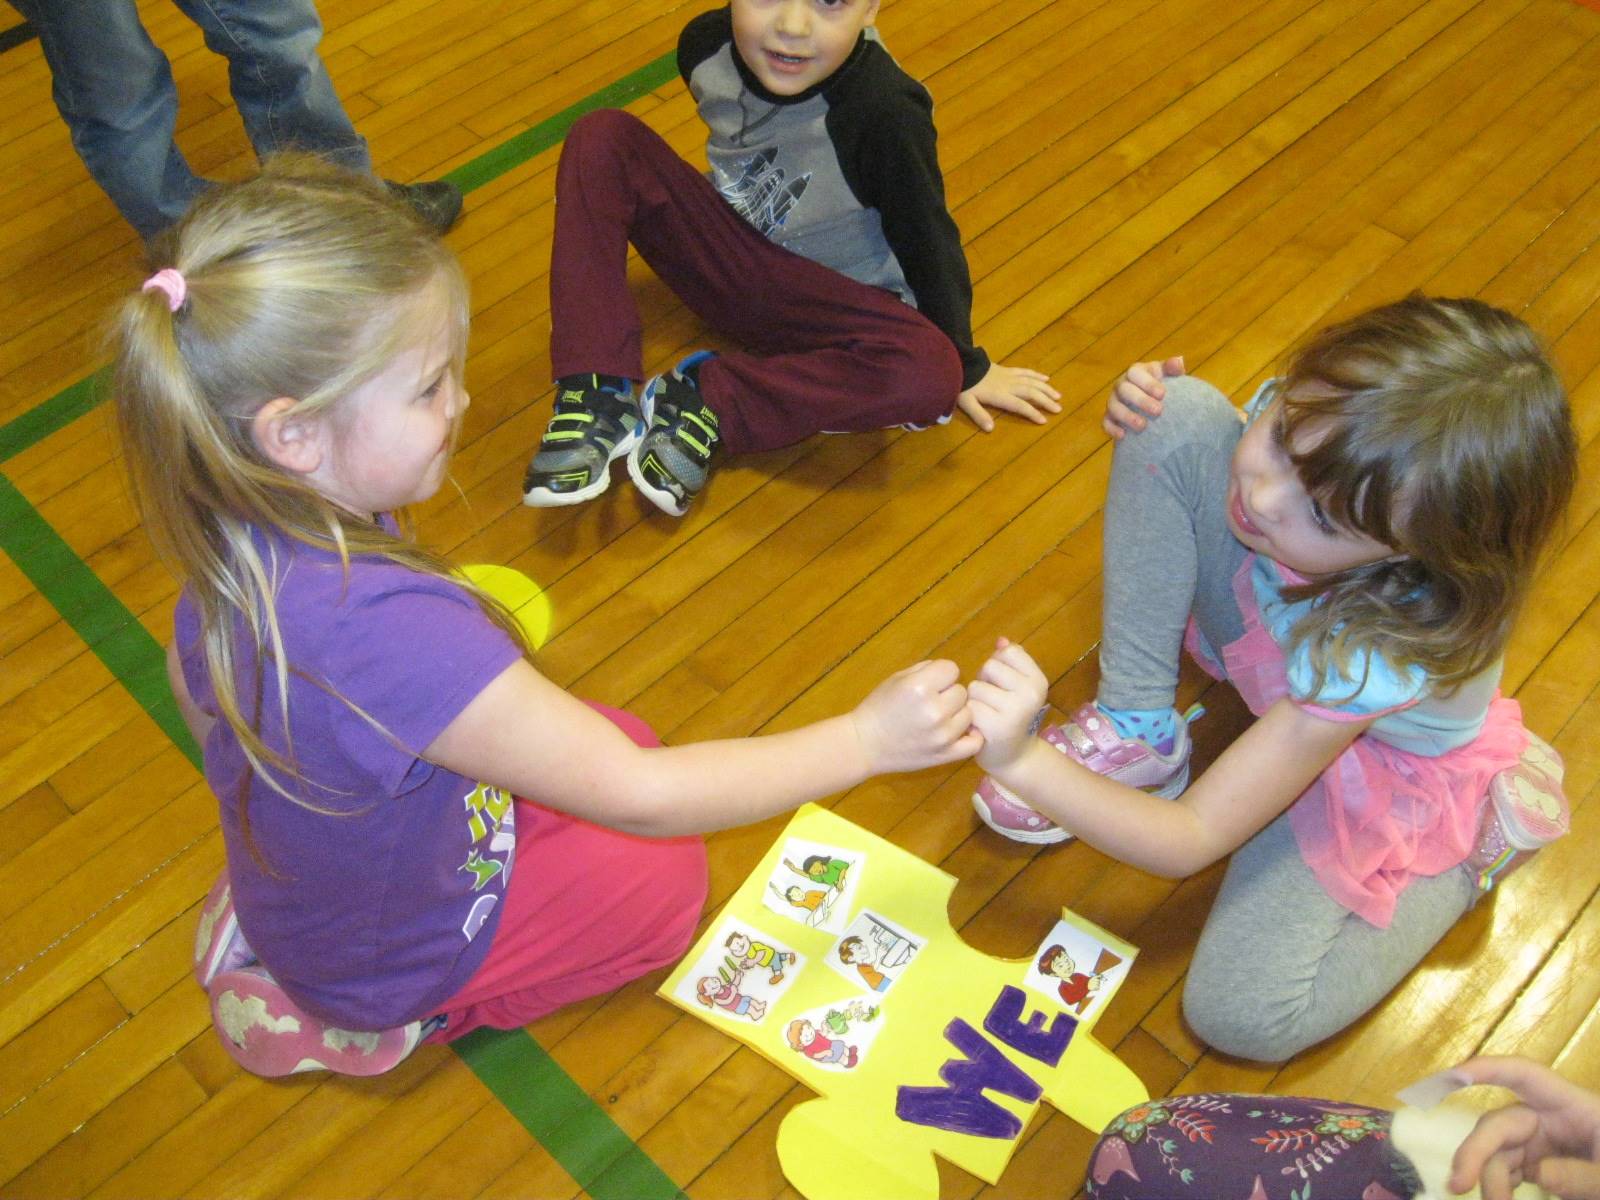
(596, 420)
(671, 462)
(437, 202)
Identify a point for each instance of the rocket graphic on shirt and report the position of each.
(761, 194)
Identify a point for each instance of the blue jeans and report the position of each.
(114, 90)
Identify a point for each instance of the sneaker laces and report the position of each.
(697, 429)
(582, 401)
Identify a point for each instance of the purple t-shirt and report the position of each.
(377, 909)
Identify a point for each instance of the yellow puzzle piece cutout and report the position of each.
(516, 591)
(837, 961)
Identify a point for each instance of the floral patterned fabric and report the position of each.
(1235, 1147)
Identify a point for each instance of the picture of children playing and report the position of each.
(715, 991)
(814, 883)
(805, 1037)
(750, 953)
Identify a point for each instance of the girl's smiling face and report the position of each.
(1270, 511)
(792, 45)
(390, 439)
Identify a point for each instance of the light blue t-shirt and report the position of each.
(1410, 714)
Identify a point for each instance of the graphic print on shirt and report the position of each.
(492, 817)
(761, 194)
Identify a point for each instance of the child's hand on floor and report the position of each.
(1137, 396)
(1007, 693)
(916, 718)
(1551, 1138)
(1016, 390)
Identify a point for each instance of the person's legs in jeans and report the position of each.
(1281, 965)
(114, 90)
(279, 83)
(823, 351)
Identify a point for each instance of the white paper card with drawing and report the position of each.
(814, 884)
(741, 973)
(874, 953)
(1080, 966)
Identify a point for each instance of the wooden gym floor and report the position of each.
(1132, 178)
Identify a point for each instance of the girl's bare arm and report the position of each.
(1254, 779)
(524, 733)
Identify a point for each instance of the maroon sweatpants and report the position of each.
(821, 351)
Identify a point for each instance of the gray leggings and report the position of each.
(1280, 965)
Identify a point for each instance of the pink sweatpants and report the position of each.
(587, 910)
(822, 351)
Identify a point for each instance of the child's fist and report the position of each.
(1007, 693)
(916, 718)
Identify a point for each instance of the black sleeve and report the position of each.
(702, 37)
(883, 131)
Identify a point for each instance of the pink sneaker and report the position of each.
(218, 944)
(1090, 739)
(269, 1034)
(1526, 811)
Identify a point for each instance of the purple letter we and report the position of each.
(962, 1107)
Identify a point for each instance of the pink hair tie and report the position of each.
(170, 283)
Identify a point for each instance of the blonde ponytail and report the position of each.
(301, 283)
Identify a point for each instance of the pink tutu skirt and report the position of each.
(1378, 817)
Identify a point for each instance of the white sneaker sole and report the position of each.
(662, 499)
(538, 497)
(1044, 837)
(1050, 836)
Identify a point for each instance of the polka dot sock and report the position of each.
(1155, 727)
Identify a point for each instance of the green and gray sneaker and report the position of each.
(596, 420)
(672, 460)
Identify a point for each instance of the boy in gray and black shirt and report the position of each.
(821, 243)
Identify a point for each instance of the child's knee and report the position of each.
(1256, 1028)
(1194, 394)
(681, 871)
(1112, 1167)
(929, 376)
(601, 130)
(1192, 412)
